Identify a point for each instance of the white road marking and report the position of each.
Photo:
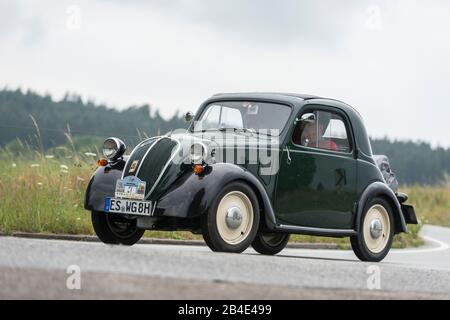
(442, 246)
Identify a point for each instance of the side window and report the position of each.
(326, 130)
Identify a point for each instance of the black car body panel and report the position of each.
(191, 195)
(102, 185)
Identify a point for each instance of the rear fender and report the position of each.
(380, 189)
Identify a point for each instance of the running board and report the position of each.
(316, 231)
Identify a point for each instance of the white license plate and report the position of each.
(125, 206)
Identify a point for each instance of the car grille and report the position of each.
(137, 154)
(151, 163)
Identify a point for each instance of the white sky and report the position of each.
(387, 58)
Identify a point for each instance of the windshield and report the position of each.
(254, 116)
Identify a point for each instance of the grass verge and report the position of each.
(46, 196)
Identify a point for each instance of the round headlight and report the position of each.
(113, 148)
(198, 153)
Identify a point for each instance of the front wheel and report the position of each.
(376, 231)
(231, 223)
(115, 229)
(270, 243)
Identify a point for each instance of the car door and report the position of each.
(316, 184)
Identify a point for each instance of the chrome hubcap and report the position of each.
(233, 218)
(376, 228)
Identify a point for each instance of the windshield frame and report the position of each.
(208, 103)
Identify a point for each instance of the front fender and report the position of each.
(191, 195)
(380, 189)
(102, 185)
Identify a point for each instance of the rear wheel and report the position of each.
(376, 231)
(231, 223)
(115, 229)
(270, 243)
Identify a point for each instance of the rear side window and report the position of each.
(325, 130)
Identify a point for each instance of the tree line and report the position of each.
(74, 116)
(42, 122)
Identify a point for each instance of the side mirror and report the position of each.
(188, 116)
(306, 118)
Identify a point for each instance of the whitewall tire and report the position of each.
(231, 223)
(375, 232)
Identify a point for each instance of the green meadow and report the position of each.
(46, 194)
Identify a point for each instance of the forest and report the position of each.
(38, 121)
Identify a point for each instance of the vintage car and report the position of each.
(251, 169)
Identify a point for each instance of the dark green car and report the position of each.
(252, 169)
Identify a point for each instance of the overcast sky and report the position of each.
(389, 59)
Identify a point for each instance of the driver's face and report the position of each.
(310, 132)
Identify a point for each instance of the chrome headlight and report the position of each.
(113, 148)
(198, 153)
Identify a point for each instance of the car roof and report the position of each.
(267, 95)
(283, 96)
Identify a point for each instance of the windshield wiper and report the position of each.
(238, 130)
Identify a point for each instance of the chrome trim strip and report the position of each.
(320, 151)
(145, 155)
(165, 167)
(134, 150)
(316, 230)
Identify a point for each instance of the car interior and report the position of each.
(328, 130)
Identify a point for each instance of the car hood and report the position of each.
(160, 161)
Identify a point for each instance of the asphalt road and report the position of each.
(32, 268)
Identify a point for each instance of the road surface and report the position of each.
(35, 268)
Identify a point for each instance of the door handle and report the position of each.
(288, 160)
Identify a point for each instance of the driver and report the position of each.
(312, 135)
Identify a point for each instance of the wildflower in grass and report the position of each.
(14, 165)
(49, 156)
(35, 165)
(90, 154)
(64, 167)
(39, 183)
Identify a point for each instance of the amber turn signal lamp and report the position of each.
(198, 168)
(102, 162)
